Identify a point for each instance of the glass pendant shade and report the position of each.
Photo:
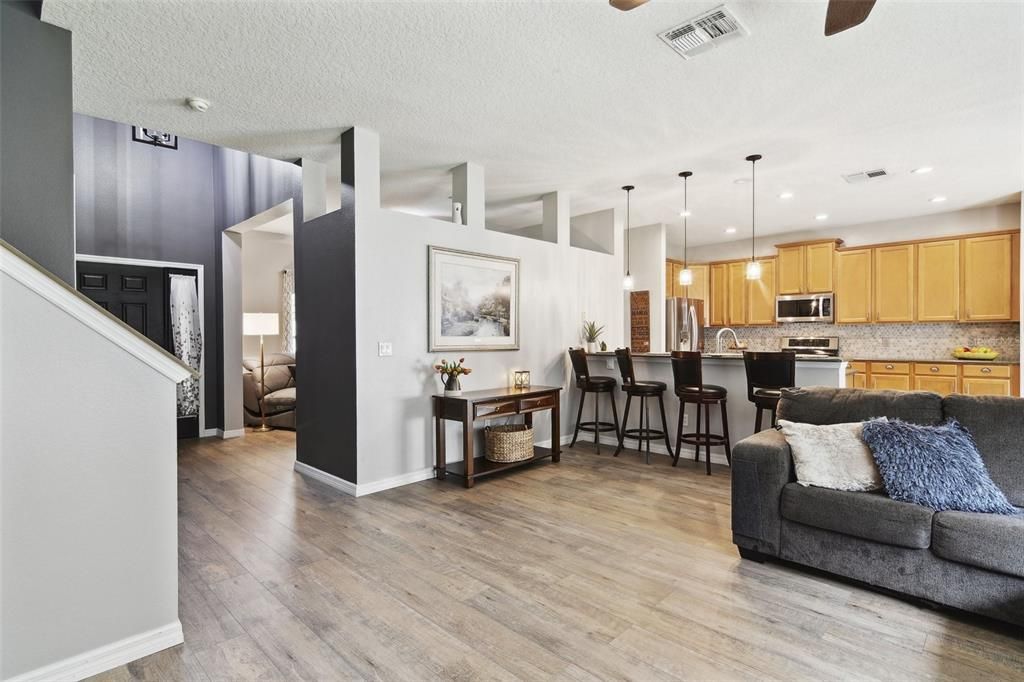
(753, 270)
(686, 277)
(627, 282)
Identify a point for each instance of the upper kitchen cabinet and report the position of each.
(938, 281)
(736, 297)
(894, 283)
(700, 289)
(989, 278)
(718, 308)
(761, 294)
(853, 286)
(806, 267)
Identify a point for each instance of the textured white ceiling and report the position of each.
(577, 96)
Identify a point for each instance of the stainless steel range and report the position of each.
(812, 346)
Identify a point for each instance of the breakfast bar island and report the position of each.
(723, 369)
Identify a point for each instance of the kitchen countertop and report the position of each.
(720, 356)
(825, 358)
(945, 361)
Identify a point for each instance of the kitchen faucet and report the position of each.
(718, 339)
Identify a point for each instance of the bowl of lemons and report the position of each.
(976, 353)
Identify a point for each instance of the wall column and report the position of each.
(468, 188)
(555, 225)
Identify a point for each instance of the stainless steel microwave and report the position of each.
(805, 308)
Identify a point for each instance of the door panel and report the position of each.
(137, 295)
(853, 286)
(761, 304)
(791, 270)
(699, 289)
(977, 386)
(736, 312)
(894, 283)
(719, 295)
(943, 385)
(938, 281)
(818, 268)
(897, 382)
(988, 278)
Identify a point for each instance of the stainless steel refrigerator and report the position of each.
(684, 324)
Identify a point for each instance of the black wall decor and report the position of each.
(157, 138)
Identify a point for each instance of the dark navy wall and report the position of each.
(135, 200)
(36, 182)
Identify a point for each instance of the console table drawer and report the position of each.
(541, 402)
(493, 409)
(987, 371)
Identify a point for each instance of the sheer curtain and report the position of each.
(288, 310)
(187, 337)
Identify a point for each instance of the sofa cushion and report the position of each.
(821, 405)
(997, 425)
(871, 516)
(936, 466)
(279, 368)
(279, 401)
(831, 456)
(983, 540)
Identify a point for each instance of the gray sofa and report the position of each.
(973, 562)
(279, 402)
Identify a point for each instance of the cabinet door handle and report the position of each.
(933, 369)
(986, 370)
(889, 367)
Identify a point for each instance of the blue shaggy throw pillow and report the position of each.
(934, 466)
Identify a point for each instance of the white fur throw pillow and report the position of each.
(831, 456)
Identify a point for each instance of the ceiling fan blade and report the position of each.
(626, 5)
(844, 14)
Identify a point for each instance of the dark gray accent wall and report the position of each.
(325, 311)
(36, 174)
(135, 200)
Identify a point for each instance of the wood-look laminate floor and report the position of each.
(595, 568)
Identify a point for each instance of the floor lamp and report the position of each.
(261, 324)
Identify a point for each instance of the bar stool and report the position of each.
(597, 385)
(690, 388)
(767, 374)
(643, 390)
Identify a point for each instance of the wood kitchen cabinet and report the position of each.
(736, 296)
(943, 378)
(806, 268)
(988, 380)
(938, 281)
(890, 375)
(853, 286)
(719, 280)
(761, 294)
(938, 378)
(990, 272)
(700, 289)
(858, 374)
(894, 283)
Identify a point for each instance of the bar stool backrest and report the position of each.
(686, 370)
(579, 365)
(771, 370)
(625, 360)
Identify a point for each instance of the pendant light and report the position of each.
(753, 267)
(627, 281)
(686, 274)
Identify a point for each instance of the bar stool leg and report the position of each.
(696, 448)
(579, 416)
(597, 424)
(615, 412)
(774, 424)
(757, 419)
(679, 433)
(647, 434)
(707, 437)
(725, 433)
(625, 423)
(664, 423)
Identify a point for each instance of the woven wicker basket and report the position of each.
(508, 443)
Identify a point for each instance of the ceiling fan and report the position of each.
(841, 14)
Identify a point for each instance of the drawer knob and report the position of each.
(933, 369)
(986, 370)
(888, 366)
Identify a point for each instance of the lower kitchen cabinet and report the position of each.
(988, 380)
(937, 378)
(942, 378)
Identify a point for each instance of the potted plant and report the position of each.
(450, 373)
(591, 333)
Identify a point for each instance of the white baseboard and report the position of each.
(341, 484)
(209, 433)
(107, 657)
(230, 433)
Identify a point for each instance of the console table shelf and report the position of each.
(473, 406)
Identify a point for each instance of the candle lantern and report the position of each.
(521, 378)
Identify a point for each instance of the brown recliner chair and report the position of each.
(279, 402)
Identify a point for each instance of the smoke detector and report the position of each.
(197, 104)
(865, 176)
(704, 32)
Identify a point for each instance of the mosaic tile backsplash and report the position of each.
(932, 341)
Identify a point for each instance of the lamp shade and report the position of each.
(260, 324)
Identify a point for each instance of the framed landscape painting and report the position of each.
(473, 301)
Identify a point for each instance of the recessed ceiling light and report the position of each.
(937, 200)
(741, 181)
(730, 230)
(786, 195)
(922, 170)
(821, 216)
(685, 214)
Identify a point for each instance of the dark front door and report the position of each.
(139, 296)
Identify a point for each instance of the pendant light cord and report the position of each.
(686, 217)
(753, 207)
(627, 231)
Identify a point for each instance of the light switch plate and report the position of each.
(384, 349)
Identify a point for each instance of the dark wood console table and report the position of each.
(492, 403)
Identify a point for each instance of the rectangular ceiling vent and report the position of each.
(704, 32)
(865, 176)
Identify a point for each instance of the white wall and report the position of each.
(88, 495)
(986, 219)
(264, 256)
(559, 286)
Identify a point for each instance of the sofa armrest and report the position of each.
(250, 394)
(761, 466)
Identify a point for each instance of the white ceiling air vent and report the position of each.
(704, 32)
(864, 176)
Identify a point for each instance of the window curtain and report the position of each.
(187, 337)
(288, 310)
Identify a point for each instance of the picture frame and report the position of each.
(472, 301)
